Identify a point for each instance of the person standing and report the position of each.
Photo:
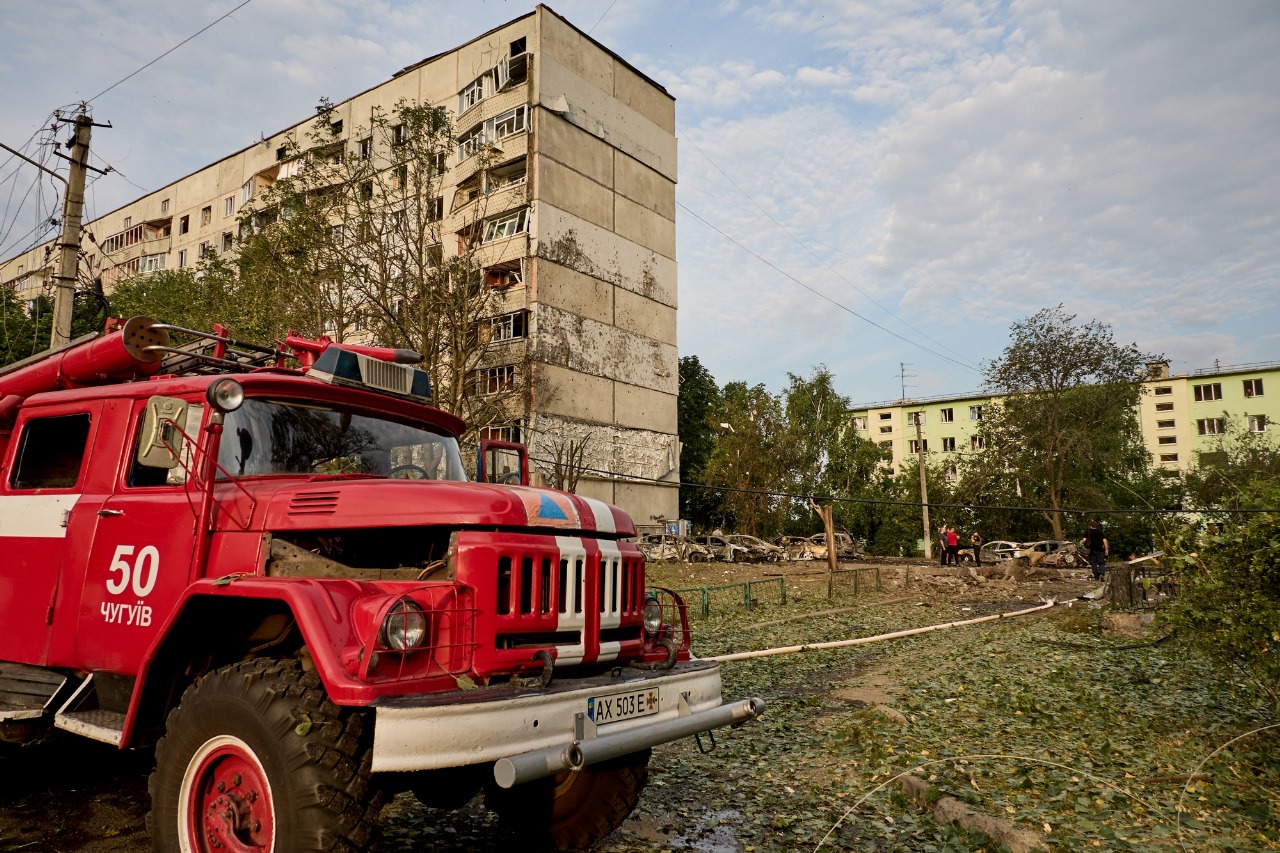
(953, 546)
(942, 545)
(975, 539)
(1095, 542)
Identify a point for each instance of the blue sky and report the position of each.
(862, 184)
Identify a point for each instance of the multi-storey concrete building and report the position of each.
(580, 240)
(1182, 416)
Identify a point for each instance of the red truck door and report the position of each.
(140, 559)
(42, 484)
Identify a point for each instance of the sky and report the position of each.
(879, 187)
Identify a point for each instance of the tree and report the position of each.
(750, 458)
(361, 237)
(696, 407)
(1068, 419)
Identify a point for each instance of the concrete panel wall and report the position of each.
(602, 349)
(643, 97)
(644, 186)
(563, 391)
(644, 316)
(575, 51)
(642, 408)
(572, 291)
(574, 193)
(645, 227)
(561, 141)
(571, 241)
(603, 116)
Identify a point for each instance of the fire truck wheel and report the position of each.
(572, 810)
(256, 757)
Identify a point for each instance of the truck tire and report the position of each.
(256, 757)
(573, 810)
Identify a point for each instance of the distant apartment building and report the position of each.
(1182, 416)
(578, 230)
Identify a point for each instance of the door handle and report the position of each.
(106, 513)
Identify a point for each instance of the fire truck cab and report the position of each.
(269, 563)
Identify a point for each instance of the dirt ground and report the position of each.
(76, 796)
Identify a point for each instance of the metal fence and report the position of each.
(701, 599)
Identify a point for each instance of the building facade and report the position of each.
(1182, 416)
(578, 236)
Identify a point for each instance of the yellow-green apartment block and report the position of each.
(1182, 416)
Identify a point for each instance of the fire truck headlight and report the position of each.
(225, 395)
(405, 627)
(652, 614)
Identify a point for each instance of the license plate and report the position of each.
(612, 707)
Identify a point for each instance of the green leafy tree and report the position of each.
(696, 405)
(816, 425)
(359, 234)
(751, 457)
(1068, 419)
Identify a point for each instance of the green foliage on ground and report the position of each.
(1087, 740)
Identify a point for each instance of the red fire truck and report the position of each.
(269, 563)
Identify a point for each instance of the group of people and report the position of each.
(949, 546)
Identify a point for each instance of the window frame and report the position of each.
(1208, 392)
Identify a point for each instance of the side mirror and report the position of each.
(503, 462)
(161, 444)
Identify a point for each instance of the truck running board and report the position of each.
(81, 716)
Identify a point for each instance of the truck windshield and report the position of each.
(272, 437)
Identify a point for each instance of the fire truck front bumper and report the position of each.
(532, 733)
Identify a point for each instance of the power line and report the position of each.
(601, 18)
(821, 295)
(169, 51)
(911, 504)
(814, 254)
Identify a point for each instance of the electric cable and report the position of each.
(823, 296)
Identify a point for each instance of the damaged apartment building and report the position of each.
(581, 252)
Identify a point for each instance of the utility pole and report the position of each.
(924, 492)
(69, 242)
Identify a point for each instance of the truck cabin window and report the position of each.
(51, 452)
(265, 437)
(141, 476)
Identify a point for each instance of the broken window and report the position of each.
(1167, 439)
(505, 327)
(914, 446)
(472, 94)
(435, 208)
(246, 192)
(512, 69)
(51, 452)
(364, 148)
(915, 418)
(1209, 426)
(885, 429)
(399, 134)
(228, 241)
(506, 175)
(1165, 424)
(1162, 390)
(975, 413)
(952, 474)
(281, 153)
(859, 422)
(884, 416)
(336, 128)
(507, 225)
(152, 263)
(1168, 457)
(470, 142)
(182, 258)
(977, 442)
(508, 124)
(1253, 387)
(502, 432)
(949, 445)
(228, 205)
(184, 225)
(1164, 407)
(206, 215)
(946, 416)
(1206, 393)
(400, 177)
(494, 380)
(164, 205)
(506, 274)
(366, 190)
(1257, 423)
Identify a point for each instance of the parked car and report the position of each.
(666, 548)
(758, 550)
(722, 549)
(997, 550)
(846, 547)
(802, 548)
